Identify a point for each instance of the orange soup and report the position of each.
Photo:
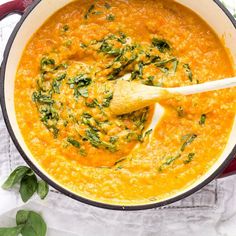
(64, 86)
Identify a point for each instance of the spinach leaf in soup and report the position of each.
(188, 139)
(188, 72)
(73, 142)
(203, 119)
(169, 161)
(94, 139)
(65, 28)
(189, 158)
(110, 17)
(79, 84)
(57, 83)
(91, 8)
(161, 44)
(107, 100)
(47, 64)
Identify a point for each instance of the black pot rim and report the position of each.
(62, 189)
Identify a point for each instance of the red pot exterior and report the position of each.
(17, 6)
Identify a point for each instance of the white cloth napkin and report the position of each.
(211, 211)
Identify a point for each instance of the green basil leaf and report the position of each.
(188, 71)
(15, 231)
(22, 217)
(28, 186)
(42, 189)
(15, 177)
(34, 224)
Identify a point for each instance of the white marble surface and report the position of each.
(210, 212)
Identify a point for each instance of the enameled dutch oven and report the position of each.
(34, 15)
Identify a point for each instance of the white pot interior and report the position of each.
(207, 9)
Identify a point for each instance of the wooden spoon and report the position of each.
(131, 96)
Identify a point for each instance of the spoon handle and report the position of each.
(205, 87)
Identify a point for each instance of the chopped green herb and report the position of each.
(91, 8)
(116, 71)
(50, 118)
(108, 49)
(149, 80)
(119, 161)
(95, 141)
(93, 138)
(188, 139)
(80, 80)
(83, 152)
(79, 84)
(61, 77)
(68, 43)
(47, 62)
(119, 168)
(169, 161)
(114, 139)
(161, 64)
(65, 28)
(175, 65)
(161, 45)
(41, 98)
(141, 138)
(93, 104)
(203, 119)
(73, 142)
(61, 66)
(188, 71)
(110, 17)
(86, 115)
(82, 45)
(57, 83)
(190, 158)
(107, 100)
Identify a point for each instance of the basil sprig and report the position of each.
(28, 223)
(29, 184)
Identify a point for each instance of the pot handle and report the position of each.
(230, 169)
(14, 6)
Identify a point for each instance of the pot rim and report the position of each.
(63, 190)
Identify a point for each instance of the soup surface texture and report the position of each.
(64, 86)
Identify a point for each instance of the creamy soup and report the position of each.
(64, 86)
